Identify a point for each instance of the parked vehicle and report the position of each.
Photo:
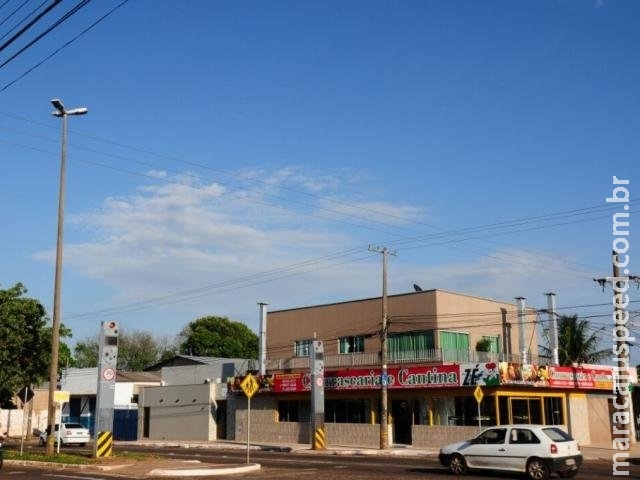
(69, 434)
(537, 450)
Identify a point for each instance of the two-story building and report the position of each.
(440, 346)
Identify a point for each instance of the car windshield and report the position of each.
(557, 435)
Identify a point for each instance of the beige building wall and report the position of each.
(600, 416)
(579, 417)
(427, 310)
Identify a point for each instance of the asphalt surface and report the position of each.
(161, 466)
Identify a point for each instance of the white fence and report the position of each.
(19, 424)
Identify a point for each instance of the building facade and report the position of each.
(190, 402)
(441, 346)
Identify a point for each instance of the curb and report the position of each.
(201, 472)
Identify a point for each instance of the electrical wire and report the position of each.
(65, 45)
(30, 24)
(39, 37)
(16, 10)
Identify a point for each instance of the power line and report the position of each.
(16, 10)
(65, 45)
(39, 37)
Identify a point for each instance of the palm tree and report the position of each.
(577, 342)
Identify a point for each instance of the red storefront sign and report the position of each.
(436, 376)
(369, 379)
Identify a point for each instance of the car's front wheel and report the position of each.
(457, 465)
(537, 469)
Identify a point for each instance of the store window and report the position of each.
(461, 411)
(293, 410)
(352, 344)
(530, 410)
(347, 411)
(466, 411)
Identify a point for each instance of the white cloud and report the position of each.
(193, 248)
(156, 174)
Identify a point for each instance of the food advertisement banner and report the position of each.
(598, 377)
(592, 377)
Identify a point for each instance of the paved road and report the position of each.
(300, 465)
(306, 466)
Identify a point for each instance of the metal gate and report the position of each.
(125, 424)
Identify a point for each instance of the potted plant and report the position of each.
(483, 347)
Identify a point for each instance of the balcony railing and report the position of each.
(395, 358)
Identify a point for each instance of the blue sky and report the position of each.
(245, 152)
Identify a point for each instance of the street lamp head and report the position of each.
(61, 112)
(78, 111)
(57, 104)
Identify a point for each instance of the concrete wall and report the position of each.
(424, 436)
(29, 421)
(216, 372)
(184, 412)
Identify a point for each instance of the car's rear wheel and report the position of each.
(537, 469)
(457, 465)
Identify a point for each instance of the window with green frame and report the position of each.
(411, 345)
(352, 344)
(454, 346)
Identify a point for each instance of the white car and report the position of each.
(70, 434)
(537, 450)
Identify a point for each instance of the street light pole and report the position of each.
(61, 112)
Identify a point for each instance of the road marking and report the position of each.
(78, 477)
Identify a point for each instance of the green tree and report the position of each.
(25, 342)
(578, 342)
(136, 351)
(85, 352)
(218, 337)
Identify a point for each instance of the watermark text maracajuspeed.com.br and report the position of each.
(621, 418)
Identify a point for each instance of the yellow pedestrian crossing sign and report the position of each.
(249, 385)
(478, 394)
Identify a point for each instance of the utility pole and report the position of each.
(384, 378)
(622, 401)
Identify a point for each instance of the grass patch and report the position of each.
(74, 458)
